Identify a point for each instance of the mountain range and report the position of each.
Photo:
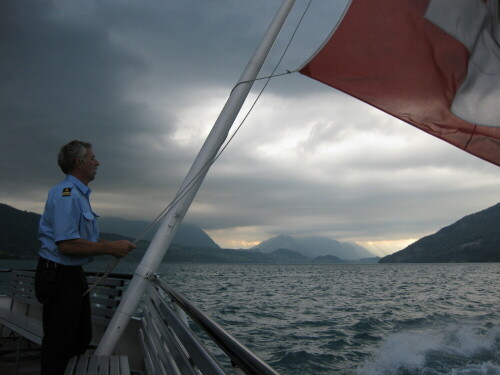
(474, 238)
(18, 240)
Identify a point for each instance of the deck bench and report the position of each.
(18, 317)
(23, 317)
(104, 299)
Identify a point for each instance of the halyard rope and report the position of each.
(180, 194)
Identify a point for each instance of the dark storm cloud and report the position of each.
(145, 80)
(61, 80)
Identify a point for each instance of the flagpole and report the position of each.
(163, 237)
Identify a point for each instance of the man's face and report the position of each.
(88, 165)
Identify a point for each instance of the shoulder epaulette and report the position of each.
(66, 192)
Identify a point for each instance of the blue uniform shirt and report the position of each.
(67, 216)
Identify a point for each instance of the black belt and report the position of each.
(53, 265)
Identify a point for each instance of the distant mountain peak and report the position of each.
(315, 246)
(280, 242)
(187, 234)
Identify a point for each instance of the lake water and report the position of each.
(352, 319)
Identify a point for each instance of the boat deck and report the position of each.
(169, 334)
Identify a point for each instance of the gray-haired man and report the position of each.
(69, 235)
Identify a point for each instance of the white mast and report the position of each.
(163, 237)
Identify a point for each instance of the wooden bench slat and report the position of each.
(26, 275)
(25, 278)
(81, 368)
(23, 289)
(114, 366)
(98, 365)
(18, 289)
(100, 320)
(103, 366)
(105, 301)
(124, 366)
(113, 292)
(102, 312)
(93, 365)
(26, 300)
(110, 281)
(71, 366)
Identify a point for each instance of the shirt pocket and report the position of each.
(89, 231)
(89, 215)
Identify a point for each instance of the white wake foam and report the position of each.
(452, 350)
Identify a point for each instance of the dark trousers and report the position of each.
(67, 325)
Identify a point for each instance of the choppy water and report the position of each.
(411, 319)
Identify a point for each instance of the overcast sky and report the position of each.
(144, 81)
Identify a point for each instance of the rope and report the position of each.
(112, 264)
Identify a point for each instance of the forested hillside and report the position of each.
(474, 238)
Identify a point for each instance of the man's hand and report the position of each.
(120, 248)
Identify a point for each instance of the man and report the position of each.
(70, 238)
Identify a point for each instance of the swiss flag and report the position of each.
(434, 64)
